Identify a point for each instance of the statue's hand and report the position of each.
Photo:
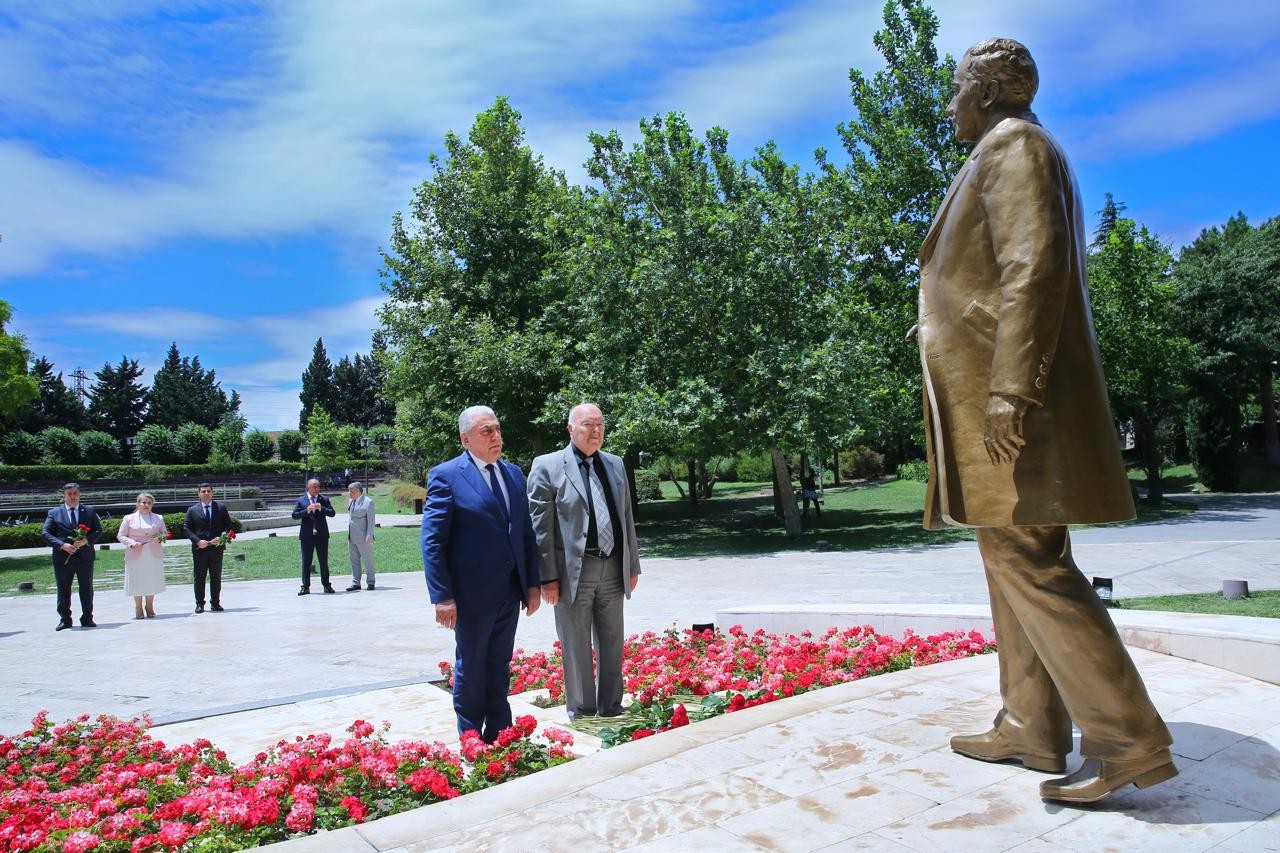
(1003, 433)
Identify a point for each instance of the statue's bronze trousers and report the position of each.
(1060, 656)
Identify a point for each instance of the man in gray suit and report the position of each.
(581, 510)
(360, 535)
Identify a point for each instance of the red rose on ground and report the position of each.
(641, 734)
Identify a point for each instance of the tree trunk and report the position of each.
(704, 484)
(693, 481)
(671, 475)
(777, 492)
(835, 468)
(631, 461)
(790, 512)
(1145, 435)
(1270, 434)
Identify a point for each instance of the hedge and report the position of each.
(29, 535)
(149, 473)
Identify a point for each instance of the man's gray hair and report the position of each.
(579, 406)
(470, 415)
(312, 480)
(1009, 63)
(356, 484)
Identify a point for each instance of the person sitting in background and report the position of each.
(144, 532)
(360, 535)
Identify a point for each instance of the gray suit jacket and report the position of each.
(362, 513)
(558, 508)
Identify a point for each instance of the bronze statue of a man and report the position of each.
(1021, 441)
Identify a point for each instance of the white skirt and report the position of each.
(144, 570)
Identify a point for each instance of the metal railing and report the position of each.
(162, 494)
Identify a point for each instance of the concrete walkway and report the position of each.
(857, 767)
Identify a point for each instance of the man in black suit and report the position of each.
(314, 511)
(72, 557)
(205, 522)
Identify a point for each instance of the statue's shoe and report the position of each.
(1097, 779)
(995, 746)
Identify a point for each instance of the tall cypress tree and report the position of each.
(118, 401)
(182, 392)
(57, 405)
(317, 384)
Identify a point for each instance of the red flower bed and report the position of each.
(108, 786)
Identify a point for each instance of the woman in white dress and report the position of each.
(144, 533)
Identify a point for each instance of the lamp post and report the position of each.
(132, 441)
(365, 442)
(305, 450)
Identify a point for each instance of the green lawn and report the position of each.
(381, 495)
(738, 520)
(1259, 603)
(1255, 476)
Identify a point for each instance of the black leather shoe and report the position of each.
(87, 622)
(329, 590)
(199, 608)
(216, 608)
(304, 591)
(370, 586)
(355, 587)
(63, 625)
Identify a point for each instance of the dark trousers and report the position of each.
(208, 563)
(81, 571)
(482, 669)
(320, 545)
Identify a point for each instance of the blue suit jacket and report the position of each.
(468, 550)
(57, 531)
(319, 519)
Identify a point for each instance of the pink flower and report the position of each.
(78, 842)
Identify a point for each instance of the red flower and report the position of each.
(679, 717)
(83, 528)
(640, 734)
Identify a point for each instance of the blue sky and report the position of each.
(223, 174)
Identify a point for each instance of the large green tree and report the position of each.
(182, 392)
(57, 404)
(17, 387)
(474, 304)
(902, 157)
(317, 383)
(1228, 289)
(1147, 360)
(117, 400)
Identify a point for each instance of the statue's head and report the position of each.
(996, 77)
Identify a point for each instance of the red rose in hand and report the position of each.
(84, 528)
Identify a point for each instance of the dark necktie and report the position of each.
(73, 518)
(497, 490)
(208, 515)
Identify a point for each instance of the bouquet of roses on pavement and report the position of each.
(225, 538)
(81, 532)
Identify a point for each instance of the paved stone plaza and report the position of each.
(862, 766)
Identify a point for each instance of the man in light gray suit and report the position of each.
(581, 510)
(360, 535)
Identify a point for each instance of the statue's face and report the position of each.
(966, 110)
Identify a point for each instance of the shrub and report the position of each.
(59, 474)
(258, 446)
(195, 443)
(228, 438)
(648, 485)
(862, 463)
(99, 448)
(158, 445)
(349, 437)
(404, 494)
(916, 469)
(30, 535)
(19, 448)
(754, 467)
(288, 444)
(59, 446)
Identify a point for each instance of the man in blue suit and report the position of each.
(313, 510)
(72, 556)
(481, 562)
